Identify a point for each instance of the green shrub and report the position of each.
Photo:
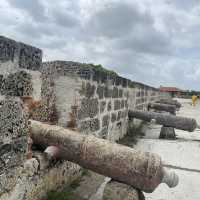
(67, 194)
(100, 68)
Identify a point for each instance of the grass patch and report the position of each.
(100, 68)
(85, 172)
(68, 192)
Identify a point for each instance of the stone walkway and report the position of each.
(181, 155)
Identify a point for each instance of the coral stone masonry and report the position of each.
(73, 95)
(15, 55)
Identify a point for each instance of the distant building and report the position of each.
(174, 91)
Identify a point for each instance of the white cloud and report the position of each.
(152, 41)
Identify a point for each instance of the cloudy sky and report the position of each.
(156, 42)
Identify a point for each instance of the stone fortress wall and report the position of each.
(72, 95)
(99, 102)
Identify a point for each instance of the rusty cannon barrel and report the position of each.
(183, 123)
(170, 102)
(142, 170)
(162, 107)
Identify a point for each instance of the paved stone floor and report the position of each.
(183, 156)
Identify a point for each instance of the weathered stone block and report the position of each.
(120, 93)
(82, 89)
(115, 93)
(30, 57)
(94, 125)
(13, 120)
(100, 91)
(12, 158)
(119, 115)
(20, 144)
(8, 49)
(90, 125)
(138, 101)
(31, 166)
(139, 107)
(124, 114)
(8, 181)
(109, 106)
(108, 92)
(106, 120)
(122, 104)
(124, 82)
(89, 108)
(18, 55)
(13, 135)
(84, 126)
(102, 106)
(1, 81)
(17, 84)
(114, 117)
(138, 94)
(90, 90)
(118, 81)
(5, 148)
(117, 104)
(87, 89)
(126, 94)
(142, 100)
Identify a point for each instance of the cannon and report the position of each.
(162, 107)
(142, 170)
(168, 121)
(170, 102)
(166, 132)
(182, 123)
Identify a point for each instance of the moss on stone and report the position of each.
(133, 133)
(68, 192)
(64, 195)
(100, 68)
